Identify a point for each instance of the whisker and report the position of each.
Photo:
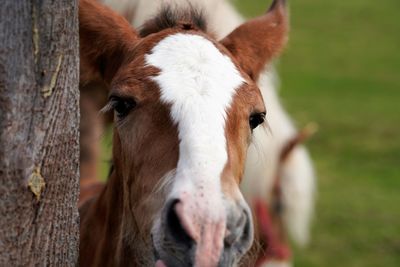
(164, 182)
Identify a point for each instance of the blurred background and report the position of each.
(341, 69)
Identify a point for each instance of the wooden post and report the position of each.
(39, 137)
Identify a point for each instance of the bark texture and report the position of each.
(39, 138)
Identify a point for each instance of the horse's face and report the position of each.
(184, 114)
(185, 106)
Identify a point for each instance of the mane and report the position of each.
(188, 18)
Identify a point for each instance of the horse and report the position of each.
(145, 214)
(273, 173)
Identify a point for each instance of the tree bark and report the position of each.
(39, 138)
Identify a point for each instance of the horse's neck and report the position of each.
(103, 225)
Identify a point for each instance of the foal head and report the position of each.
(185, 106)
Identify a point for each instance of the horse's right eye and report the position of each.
(256, 119)
(122, 106)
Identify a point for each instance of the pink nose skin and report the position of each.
(208, 234)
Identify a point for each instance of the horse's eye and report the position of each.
(256, 119)
(122, 106)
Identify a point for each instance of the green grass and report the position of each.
(342, 70)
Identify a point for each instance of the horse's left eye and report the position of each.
(256, 119)
(122, 106)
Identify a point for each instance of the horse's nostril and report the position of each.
(175, 227)
(240, 233)
(242, 220)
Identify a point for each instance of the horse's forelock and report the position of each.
(189, 18)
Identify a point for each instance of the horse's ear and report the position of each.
(257, 41)
(105, 40)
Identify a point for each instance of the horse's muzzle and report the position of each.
(191, 238)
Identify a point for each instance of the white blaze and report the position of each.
(199, 82)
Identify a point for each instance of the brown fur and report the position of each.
(257, 41)
(99, 58)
